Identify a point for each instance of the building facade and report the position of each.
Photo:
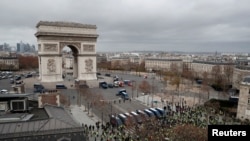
(162, 64)
(243, 109)
(10, 63)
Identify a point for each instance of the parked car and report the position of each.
(149, 113)
(127, 82)
(116, 78)
(4, 91)
(116, 83)
(17, 77)
(107, 74)
(130, 118)
(38, 85)
(28, 75)
(161, 111)
(115, 121)
(110, 85)
(19, 82)
(103, 85)
(143, 115)
(137, 117)
(60, 86)
(11, 81)
(157, 114)
(123, 119)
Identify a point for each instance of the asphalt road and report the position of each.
(111, 104)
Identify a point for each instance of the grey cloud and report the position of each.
(187, 25)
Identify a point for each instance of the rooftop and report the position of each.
(49, 118)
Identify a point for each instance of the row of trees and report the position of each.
(25, 62)
(118, 65)
(28, 62)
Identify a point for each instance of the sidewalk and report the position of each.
(161, 100)
(82, 116)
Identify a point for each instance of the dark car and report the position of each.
(120, 92)
(115, 121)
(149, 113)
(60, 86)
(28, 75)
(19, 82)
(103, 85)
(110, 85)
(124, 96)
(131, 118)
(107, 74)
(143, 115)
(11, 81)
(157, 114)
(161, 111)
(38, 85)
(123, 119)
(137, 117)
(17, 77)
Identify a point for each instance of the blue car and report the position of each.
(157, 114)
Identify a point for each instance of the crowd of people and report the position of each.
(159, 129)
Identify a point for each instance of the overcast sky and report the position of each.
(128, 25)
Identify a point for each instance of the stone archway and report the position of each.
(52, 37)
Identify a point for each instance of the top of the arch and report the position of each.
(65, 24)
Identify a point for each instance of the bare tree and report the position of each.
(145, 87)
(217, 77)
(176, 81)
(228, 71)
(205, 84)
(188, 132)
(116, 65)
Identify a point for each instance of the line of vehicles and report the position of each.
(137, 117)
(39, 88)
(116, 82)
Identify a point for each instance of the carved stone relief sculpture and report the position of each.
(88, 48)
(50, 47)
(51, 65)
(89, 65)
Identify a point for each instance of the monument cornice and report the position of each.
(59, 55)
(65, 24)
(87, 55)
(68, 39)
(38, 34)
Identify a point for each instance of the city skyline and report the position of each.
(142, 25)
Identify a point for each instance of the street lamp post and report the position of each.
(133, 88)
(152, 100)
(111, 107)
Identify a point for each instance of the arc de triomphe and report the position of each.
(52, 37)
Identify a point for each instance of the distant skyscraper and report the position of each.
(22, 45)
(18, 47)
